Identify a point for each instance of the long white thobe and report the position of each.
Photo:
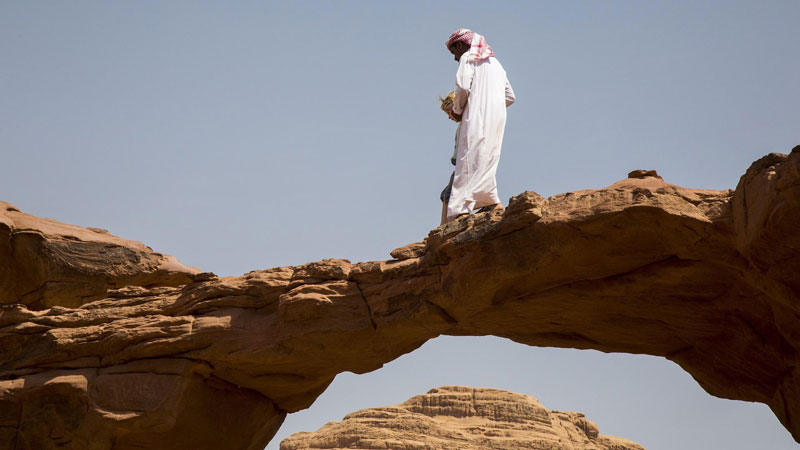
(482, 95)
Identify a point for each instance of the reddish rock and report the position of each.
(409, 251)
(45, 263)
(106, 344)
(644, 174)
(461, 418)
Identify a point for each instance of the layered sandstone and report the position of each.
(461, 418)
(106, 344)
(45, 263)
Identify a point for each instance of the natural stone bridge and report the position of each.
(108, 345)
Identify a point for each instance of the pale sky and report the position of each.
(248, 135)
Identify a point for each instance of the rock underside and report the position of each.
(106, 344)
(461, 418)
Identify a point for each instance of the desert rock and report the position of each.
(461, 418)
(46, 263)
(106, 344)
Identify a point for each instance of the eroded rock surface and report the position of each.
(45, 263)
(108, 345)
(461, 418)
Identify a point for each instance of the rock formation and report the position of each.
(108, 345)
(45, 263)
(461, 418)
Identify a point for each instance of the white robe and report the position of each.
(482, 95)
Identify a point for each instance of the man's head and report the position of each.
(464, 40)
(458, 49)
(459, 42)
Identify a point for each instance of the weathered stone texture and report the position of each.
(461, 418)
(108, 345)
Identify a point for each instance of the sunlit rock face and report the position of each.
(45, 263)
(461, 418)
(106, 344)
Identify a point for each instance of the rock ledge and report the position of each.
(108, 345)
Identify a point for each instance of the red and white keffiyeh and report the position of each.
(478, 50)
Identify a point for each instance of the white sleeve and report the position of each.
(466, 70)
(510, 98)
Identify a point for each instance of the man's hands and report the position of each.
(453, 116)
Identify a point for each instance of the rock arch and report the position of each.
(107, 344)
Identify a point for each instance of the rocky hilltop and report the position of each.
(461, 418)
(106, 344)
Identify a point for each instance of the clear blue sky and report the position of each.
(258, 134)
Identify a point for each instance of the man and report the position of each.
(482, 95)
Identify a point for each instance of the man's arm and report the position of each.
(466, 71)
(510, 98)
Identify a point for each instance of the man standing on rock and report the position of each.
(482, 95)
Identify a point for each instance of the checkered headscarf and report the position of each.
(478, 50)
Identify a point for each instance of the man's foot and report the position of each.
(489, 208)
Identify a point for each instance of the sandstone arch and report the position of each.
(107, 344)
